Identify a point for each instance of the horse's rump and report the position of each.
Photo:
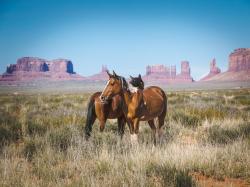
(155, 102)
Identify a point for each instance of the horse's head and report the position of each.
(115, 85)
(137, 82)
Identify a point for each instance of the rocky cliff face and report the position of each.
(167, 71)
(28, 68)
(28, 64)
(238, 67)
(214, 70)
(239, 60)
(167, 74)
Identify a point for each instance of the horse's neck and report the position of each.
(127, 96)
(133, 98)
(137, 98)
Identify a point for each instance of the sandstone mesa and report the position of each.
(30, 68)
(238, 67)
(167, 74)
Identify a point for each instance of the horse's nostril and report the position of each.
(102, 98)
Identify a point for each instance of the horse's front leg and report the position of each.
(102, 124)
(134, 134)
(121, 125)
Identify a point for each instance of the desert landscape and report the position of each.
(127, 93)
(206, 142)
(206, 134)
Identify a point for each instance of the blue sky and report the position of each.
(124, 35)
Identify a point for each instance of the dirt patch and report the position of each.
(205, 181)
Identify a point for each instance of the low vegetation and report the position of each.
(42, 142)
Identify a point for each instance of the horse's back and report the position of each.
(154, 92)
(155, 102)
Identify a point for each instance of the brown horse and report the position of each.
(142, 105)
(103, 110)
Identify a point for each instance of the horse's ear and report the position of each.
(114, 74)
(110, 75)
(140, 76)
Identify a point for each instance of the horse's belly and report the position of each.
(114, 114)
(147, 118)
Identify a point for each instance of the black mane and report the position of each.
(124, 82)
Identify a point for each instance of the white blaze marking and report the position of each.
(105, 88)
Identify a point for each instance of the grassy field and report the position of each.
(206, 135)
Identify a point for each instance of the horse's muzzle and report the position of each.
(103, 99)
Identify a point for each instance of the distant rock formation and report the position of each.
(164, 74)
(214, 70)
(238, 67)
(29, 68)
(161, 70)
(239, 60)
(101, 76)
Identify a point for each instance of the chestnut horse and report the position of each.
(103, 110)
(142, 105)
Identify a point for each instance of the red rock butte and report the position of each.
(167, 74)
(29, 68)
(214, 70)
(238, 67)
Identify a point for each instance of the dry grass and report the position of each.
(42, 142)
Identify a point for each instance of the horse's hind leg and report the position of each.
(121, 125)
(153, 128)
(160, 127)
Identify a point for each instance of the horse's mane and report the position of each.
(124, 82)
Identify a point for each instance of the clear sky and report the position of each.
(124, 35)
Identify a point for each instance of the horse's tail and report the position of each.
(90, 116)
(164, 112)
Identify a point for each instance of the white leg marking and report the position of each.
(134, 138)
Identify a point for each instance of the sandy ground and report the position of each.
(205, 181)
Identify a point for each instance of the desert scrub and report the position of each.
(31, 147)
(242, 99)
(169, 175)
(202, 133)
(36, 129)
(186, 119)
(10, 128)
(219, 135)
(61, 138)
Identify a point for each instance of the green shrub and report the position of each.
(170, 175)
(183, 179)
(244, 130)
(61, 138)
(209, 113)
(30, 149)
(243, 99)
(36, 129)
(187, 120)
(5, 135)
(10, 128)
(219, 135)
